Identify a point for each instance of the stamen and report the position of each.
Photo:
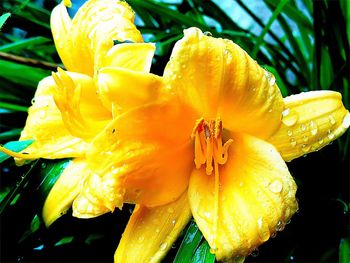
(209, 150)
(18, 155)
(208, 146)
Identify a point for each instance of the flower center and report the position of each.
(208, 146)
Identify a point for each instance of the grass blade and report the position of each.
(203, 254)
(189, 244)
(3, 19)
(273, 17)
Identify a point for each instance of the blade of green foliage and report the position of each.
(344, 251)
(203, 254)
(161, 10)
(49, 173)
(189, 244)
(279, 80)
(273, 17)
(22, 74)
(23, 44)
(15, 146)
(3, 19)
(293, 13)
(15, 192)
(11, 106)
(8, 135)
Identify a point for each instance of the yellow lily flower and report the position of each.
(62, 120)
(214, 149)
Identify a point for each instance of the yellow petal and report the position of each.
(144, 156)
(64, 191)
(151, 232)
(75, 96)
(44, 125)
(310, 121)
(93, 29)
(256, 197)
(60, 26)
(219, 79)
(133, 56)
(122, 89)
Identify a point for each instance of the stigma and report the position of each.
(208, 146)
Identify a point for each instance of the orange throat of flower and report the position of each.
(210, 150)
(208, 146)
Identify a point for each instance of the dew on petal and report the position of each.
(170, 210)
(289, 117)
(163, 246)
(276, 186)
(263, 230)
(330, 135)
(331, 119)
(290, 132)
(293, 142)
(313, 128)
(42, 114)
(208, 34)
(279, 226)
(303, 127)
(320, 141)
(305, 138)
(305, 148)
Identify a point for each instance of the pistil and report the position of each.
(210, 150)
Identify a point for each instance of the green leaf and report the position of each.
(3, 19)
(15, 146)
(49, 173)
(344, 251)
(203, 254)
(273, 17)
(8, 135)
(24, 43)
(22, 74)
(12, 106)
(279, 81)
(65, 240)
(189, 244)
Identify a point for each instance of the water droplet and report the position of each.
(279, 226)
(263, 230)
(330, 135)
(305, 148)
(183, 66)
(207, 214)
(293, 142)
(288, 221)
(320, 141)
(305, 138)
(170, 210)
(207, 33)
(313, 128)
(289, 117)
(285, 112)
(141, 238)
(276, 186)
(270, 77)
(303, 127)
(173, 222)
(270, 110)
(331, 119)
(43, 165)
(163, 246)
(346, 121)
(254, 252)
(213, 250)
(157, 230)
(33, 101)
(290, 132)
(273, 235)
(42, 114)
